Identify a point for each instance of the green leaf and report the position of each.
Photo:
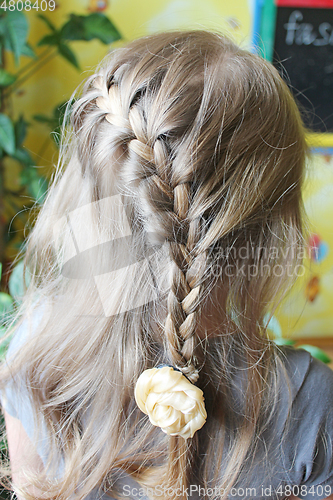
(60, 109)
(4, 344)
(282, 341)
(48, 22)
(6, 306)
(55, 122)
(28, 175)
(38, 188)
(6, 78)
(59, 118)
(50, 40)
(46, 119)
(14, 27)
(24, 157)
(68, 54)
(6, 302)
(7, 134)
(2, 26)
(316, 352)
(74, 29)
(16, 283)
(99, 26)
(3, 350)
(20, 130)
(0, 270)
(87, 28)
(28, 51)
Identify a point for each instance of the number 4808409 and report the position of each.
(27, 5)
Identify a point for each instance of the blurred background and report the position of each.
(49, 46)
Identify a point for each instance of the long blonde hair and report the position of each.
(184, 150)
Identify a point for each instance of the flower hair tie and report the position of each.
(171, 401)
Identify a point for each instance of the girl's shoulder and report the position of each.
(307, 447)
(307, 375)
(310, 385)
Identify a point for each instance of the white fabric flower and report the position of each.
(171, 401)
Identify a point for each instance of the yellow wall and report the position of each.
(308, 310)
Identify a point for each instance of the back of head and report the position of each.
(204, 145)
(207, 142)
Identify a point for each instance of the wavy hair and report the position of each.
(184, 150)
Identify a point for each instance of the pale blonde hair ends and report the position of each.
(206, 147)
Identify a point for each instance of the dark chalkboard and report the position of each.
(303, 53)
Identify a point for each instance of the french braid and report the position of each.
(165, 210)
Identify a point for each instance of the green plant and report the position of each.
(14, 31)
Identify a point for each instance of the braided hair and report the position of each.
(165, 199)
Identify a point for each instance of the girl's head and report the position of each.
(178, 212)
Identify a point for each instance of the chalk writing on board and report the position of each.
(305, 34)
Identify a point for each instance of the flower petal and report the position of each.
(166, 378)
(143, 387)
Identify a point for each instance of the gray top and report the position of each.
(304, 460)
